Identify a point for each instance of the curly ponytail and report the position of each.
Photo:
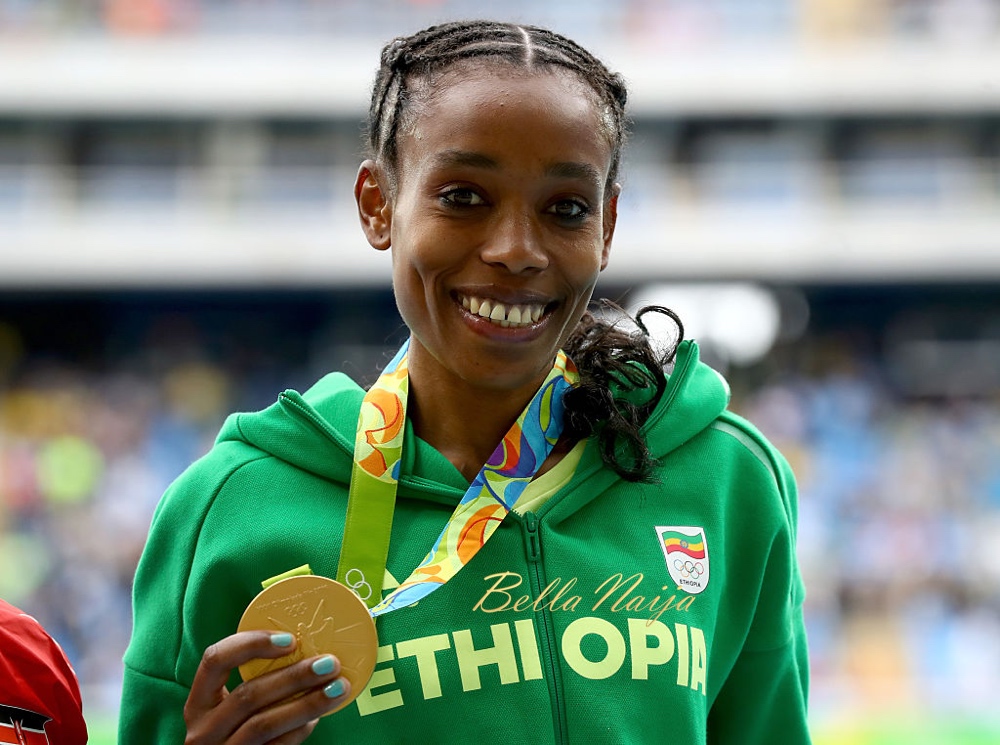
(622, 379)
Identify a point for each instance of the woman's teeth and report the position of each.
(502, 314)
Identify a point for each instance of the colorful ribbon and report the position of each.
(490, 496)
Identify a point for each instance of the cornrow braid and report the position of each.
(409, 59)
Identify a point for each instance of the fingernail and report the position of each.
(281, 640)
(323, 666)
(336, 688)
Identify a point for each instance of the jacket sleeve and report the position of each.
(152, 699)
(152, 710)
(764, 698)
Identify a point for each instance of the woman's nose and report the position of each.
(515, 243)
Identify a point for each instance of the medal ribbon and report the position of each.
(378, 451)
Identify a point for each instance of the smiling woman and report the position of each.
(523, 497)
(499, 202)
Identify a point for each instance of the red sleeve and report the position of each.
(39, 692)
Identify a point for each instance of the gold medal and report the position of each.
(325, 617)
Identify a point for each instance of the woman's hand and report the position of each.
(259, 711)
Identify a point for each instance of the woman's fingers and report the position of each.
(219, 660)
(274, 707)
(296, 736)
(284, 723)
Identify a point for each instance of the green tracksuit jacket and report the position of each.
(575, 624)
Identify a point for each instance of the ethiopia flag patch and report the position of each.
(686, 552)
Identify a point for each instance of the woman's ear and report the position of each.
(610, 220)
(371, 192)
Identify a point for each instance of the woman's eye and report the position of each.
(462, 198)
(569, 209)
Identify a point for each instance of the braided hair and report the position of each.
(407, 60)
(621, 376)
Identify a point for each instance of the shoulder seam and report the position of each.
(747, 440)
(744, 433)
(752, 440)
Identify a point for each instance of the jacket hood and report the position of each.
(315, 431)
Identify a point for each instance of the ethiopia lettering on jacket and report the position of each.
(650, 639)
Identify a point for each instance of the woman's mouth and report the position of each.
(505, 315)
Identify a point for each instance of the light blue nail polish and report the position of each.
(336, 688)
(281, 640)
(323, 666)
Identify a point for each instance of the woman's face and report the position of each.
(499, 225)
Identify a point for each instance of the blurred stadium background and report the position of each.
(813, 184)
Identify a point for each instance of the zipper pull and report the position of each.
(532, 540)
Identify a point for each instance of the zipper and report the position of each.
(533, 547)
(531, 538)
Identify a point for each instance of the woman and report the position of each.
(645, 587)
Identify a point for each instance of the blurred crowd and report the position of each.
(899, 526)
(84, 456)
(677, 21)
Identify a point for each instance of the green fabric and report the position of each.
(565, 627)
(546, 486)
